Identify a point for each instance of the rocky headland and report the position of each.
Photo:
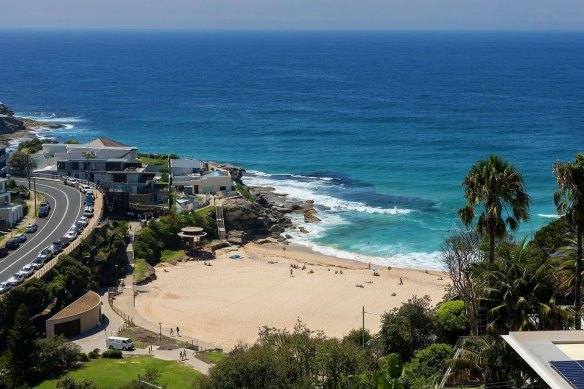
(13, 126)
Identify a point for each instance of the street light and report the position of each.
(160, 334)
(116, 278)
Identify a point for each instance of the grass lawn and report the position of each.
(139, 270)
(170, 255)
(204, 211)
(111, 373)
(214, 356)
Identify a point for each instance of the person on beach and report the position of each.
(171, 333)
(400, 281)
(291, 273)
(177, 331)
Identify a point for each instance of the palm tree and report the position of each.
(88, 155)
(497, 188)
(569, 201)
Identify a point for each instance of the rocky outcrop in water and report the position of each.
(8, 123)
(235, 172)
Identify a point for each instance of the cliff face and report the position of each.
(8, 123)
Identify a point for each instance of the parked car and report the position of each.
(4, 252)
(27, 270)
(38, 262)
(44, 204)
(13, 244)
(31, 228)
(21, 237)
(88, 212)
(46, 254)
(80, 225)
(85, 189)
(84, 220)
(43, 212)
(71, 235)
(5, 287)
(56, 247)
(70, 181)
(64, 241)
(75, 227)
(16, 279)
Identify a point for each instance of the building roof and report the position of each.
(540, 348)
(106, 142)
(185, 163)
(83, 304)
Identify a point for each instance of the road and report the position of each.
(66, 209)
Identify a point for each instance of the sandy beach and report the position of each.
(227, 302)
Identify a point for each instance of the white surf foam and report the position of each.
(548, 216)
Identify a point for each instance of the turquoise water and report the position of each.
(379, 128)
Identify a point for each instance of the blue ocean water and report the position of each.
(379, 128)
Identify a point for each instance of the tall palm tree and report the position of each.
(496, 188)
(569, 201)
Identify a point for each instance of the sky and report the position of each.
(296, 14)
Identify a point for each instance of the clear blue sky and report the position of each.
(295, 14)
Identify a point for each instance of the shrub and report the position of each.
(451, 321)
(112, 354)
(92, 355)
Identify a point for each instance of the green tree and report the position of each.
(21, 161)
(451, 321)
(71, 383)
(569, 200)
(493, 187)
(407, 329)
(21, 354)
(358, 337)
(56, 355)
(520, 293)
(426, 366)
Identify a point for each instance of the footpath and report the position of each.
(124, 303)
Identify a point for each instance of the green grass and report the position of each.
(154, 161)
(139, 270)
(171, 255)
(214, 356)
(204, 211)
(111, 373)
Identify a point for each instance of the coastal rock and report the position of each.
(218, 246)
(5, 110)
(149, 274)
(303, 230)
(236, 237)
(235, 172)
(266, 197)
(309, 216)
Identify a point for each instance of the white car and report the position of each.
(46, 254)
(16, 279)
(71, 235)
(5, 287)
(38, 263)
(88, 212)
(70, 181)
(85, 189)
(27, 270)
(84, 220)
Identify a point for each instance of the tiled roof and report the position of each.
(106, 142)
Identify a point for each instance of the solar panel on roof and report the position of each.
(571, 371)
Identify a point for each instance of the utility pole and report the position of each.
(363, 331)
(34, 194)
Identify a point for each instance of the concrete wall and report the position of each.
(90, 319)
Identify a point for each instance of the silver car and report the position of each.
(27, 270)
(16, 279)
(5, 287)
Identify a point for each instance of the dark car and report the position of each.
(13, 244)
(3, 252)
(43, 212)
(20, 237)
(31, 228)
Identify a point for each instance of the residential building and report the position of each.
(204, 183)
(3, 161)
(10, 213)
(111, 165)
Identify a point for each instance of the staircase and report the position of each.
(220, 221)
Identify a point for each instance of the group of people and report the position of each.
(177, 331)
(207, 263)
(183, 355)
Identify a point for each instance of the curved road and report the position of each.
(66, 208)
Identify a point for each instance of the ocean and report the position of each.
(379, 128)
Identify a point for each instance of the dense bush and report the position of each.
(426, 366)
(70, 383)
(451, 321)
(113, 354)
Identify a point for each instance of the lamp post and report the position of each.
(160, 334)
(116, 282)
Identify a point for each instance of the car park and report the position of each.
(21, 237)
(4, 252)
(88, 212)
(38, 262)
(31, 228)
(27, 270)
(5, 287)
(13, 244)
(71, 235)
(16, 279)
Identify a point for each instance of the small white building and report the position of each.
(10, 213)
(181, 167)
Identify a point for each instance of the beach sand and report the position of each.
(228, 302)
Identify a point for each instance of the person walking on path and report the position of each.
(171, 333)
(291, 273)
(177, 331)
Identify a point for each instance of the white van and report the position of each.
(118, 343)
